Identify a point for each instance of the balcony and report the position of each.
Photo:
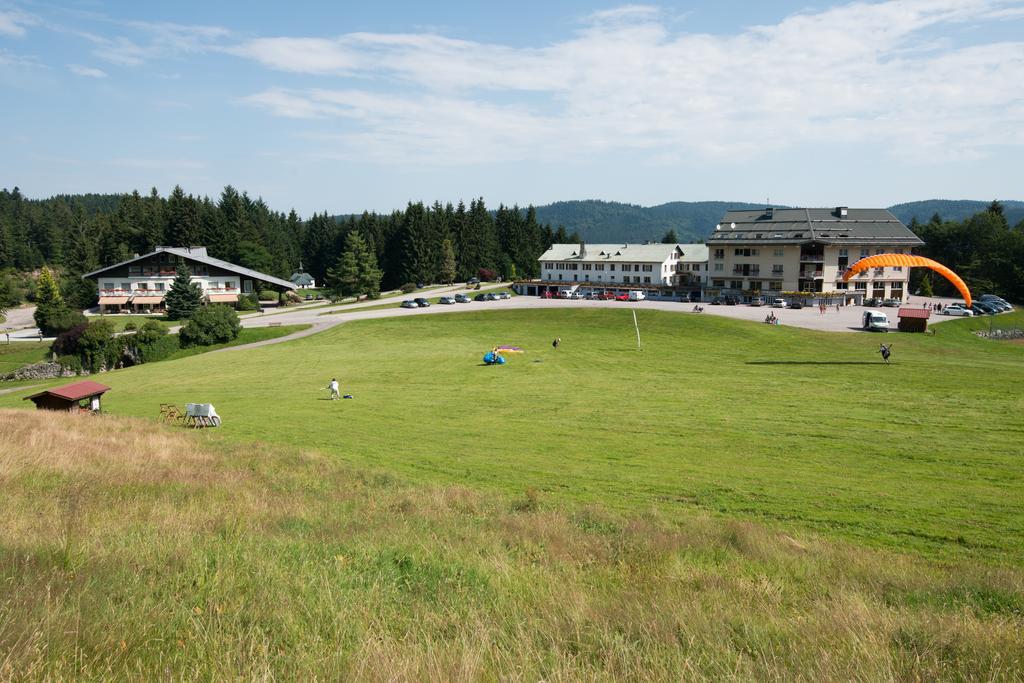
(749, 272)
(812, 273)
(812, 258)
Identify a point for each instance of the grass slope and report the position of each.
(131, 551)
(804, 430)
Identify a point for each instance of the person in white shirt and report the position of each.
(333, 386)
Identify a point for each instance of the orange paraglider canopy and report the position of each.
(908, 261)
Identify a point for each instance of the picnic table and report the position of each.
(199, 415)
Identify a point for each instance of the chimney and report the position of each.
(583, 249)
(842, 211)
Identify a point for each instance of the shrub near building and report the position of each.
(214, 324)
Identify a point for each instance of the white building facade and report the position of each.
(784, 252)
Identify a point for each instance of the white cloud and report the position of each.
(858, 73)
(14, 22)
(87, 71)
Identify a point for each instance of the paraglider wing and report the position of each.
(908, 261)
(509, 349)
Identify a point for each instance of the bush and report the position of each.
(213, 324)
(268, 295)
(130, 326)
(159, 349)
(408, 288)
(73, 363)
(66, 343)
(248, 302)
(61, 320)
(97, 346)
(486, 274)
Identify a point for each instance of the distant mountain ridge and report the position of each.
(601, 221)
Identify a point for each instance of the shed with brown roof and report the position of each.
(913, 319)
(80, 396)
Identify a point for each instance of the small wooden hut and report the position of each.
(913, 319)
(80, 396)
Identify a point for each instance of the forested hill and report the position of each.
(954, 210)
(599, 221)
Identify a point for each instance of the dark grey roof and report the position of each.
(301, 279)
(198, 254)
(840, 225)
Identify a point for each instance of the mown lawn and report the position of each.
(17, 354)
(119, 321)
(800, 429)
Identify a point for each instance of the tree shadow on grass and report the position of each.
(815, 362)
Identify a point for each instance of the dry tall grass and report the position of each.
(132, 551)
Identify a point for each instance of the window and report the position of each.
(719, 253)
(745, 252)
(719, 266)
(879, 251)
(842, 252)
(736, 284)
(108, 285)
(247, 285)
(549, 266)
(126, 286)
(143, 286)
(842, 285)
(636, 267)
(214, 285)
(865, 252)
(611, 267)
(879, 272)
(718, 283)
(647, 279)
(636, 279)
(779, 252)
(777, 268)
(755, 285)
(648, 269)
(586, 266)
(159, 286)
(860, 285)
(598, 266)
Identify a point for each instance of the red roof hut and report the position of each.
(913, 319)
(84, 396)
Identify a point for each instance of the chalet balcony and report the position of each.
(741, 270)
(812, 258)
(812, 273)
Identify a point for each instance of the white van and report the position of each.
(875, 321)
(637, 296)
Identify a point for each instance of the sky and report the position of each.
(345, 106)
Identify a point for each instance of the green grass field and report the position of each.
(800, 429)
(736, 501)
(119, 321)
(17, 354)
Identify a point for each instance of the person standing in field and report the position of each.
(333, 386)
(556, 342)
(886, 351)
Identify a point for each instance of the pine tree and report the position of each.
(356, 272)
(48, 298)
(184, 296)
(670, 237)
(447, 262)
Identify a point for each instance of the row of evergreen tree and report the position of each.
(80, 233)
(984, 250)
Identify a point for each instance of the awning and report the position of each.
(113, 300)
(147, 299)
(223, 298)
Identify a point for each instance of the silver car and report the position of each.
(409, 303)
(957, 309)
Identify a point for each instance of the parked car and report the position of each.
(1001, 304)
(606, 296)
(778, 303)
(446, 300)
(576, 295)
(872, 301)
(462, 299)
(622, 297)
(957, 309)
(637, 295)
(796, 305)
(757, 301)
(481, 297)
(892, 303)
(716, 301)
(986, 308)
(409, 303)
(490, 297)
(421, 302)
(564, 293)
(731, 301)
(503, 295)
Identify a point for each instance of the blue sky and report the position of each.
(350, 106)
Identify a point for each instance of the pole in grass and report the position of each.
(637, 326)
